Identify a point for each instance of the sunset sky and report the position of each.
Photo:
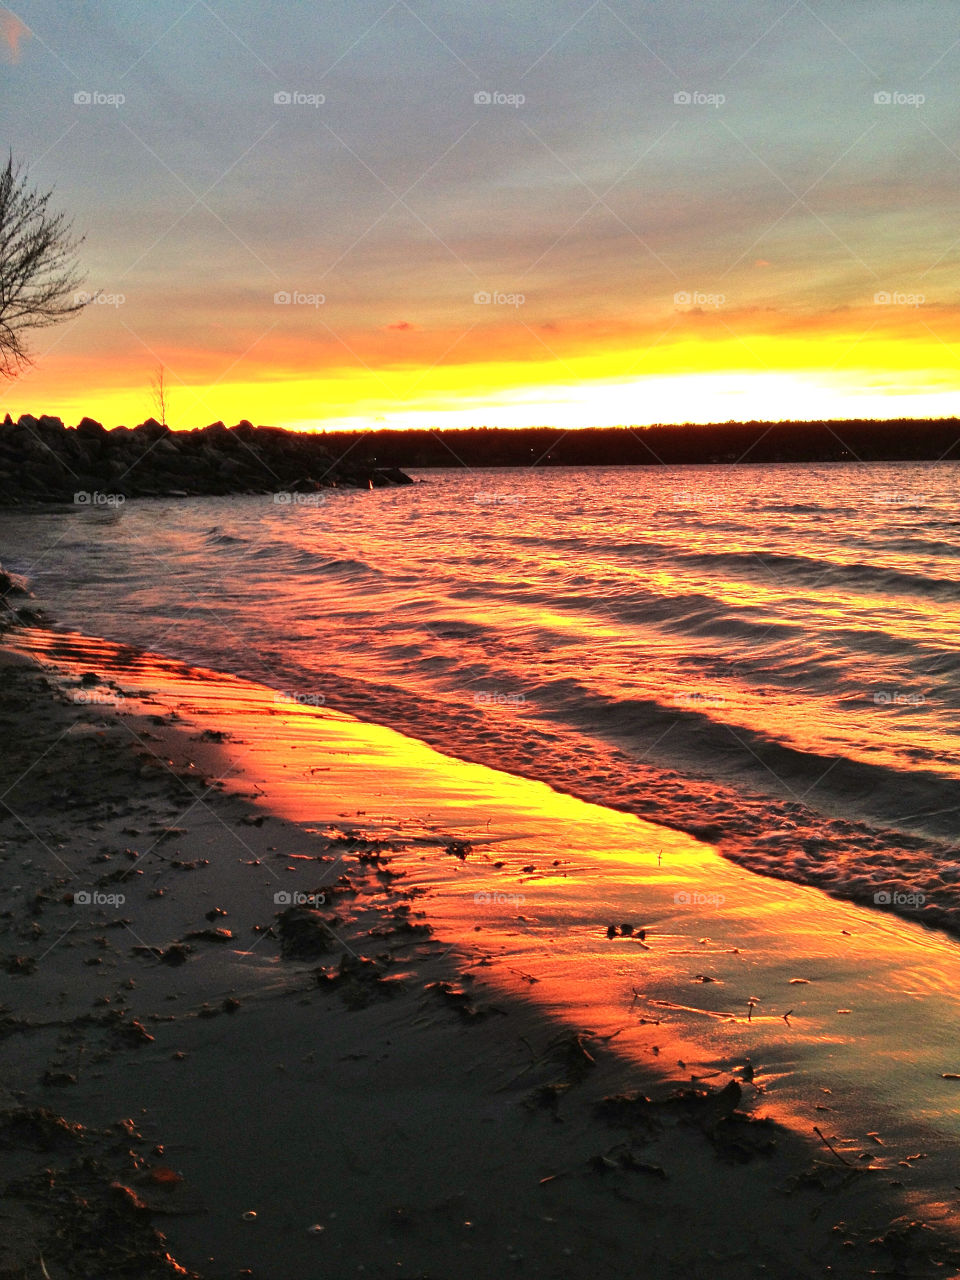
(679, 212)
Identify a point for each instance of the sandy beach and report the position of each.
(290, 995)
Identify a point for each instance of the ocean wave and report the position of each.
(820, 572)
(216, 537)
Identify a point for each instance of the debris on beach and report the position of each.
(627, 931)
(547, 1098)
(622, 1158)
(175, 954)
(401, 927)
(304, 933)
(737, 1137)
(459, 849)
(211, 935)
(571, 1052)
(459, 999)
(359, 981)
(89, 1199)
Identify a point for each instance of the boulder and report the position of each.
(89, 427)
(13, 584)
(152, 429)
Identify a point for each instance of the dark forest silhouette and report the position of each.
(902, 440)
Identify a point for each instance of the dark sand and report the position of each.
(356, 1092)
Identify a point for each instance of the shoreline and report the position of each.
(361, 1081)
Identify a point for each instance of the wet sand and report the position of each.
(405, 1075)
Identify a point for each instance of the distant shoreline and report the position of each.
(902, 440)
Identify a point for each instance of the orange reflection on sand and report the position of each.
(607, 921)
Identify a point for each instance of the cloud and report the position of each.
(401, 325)
(12, 31)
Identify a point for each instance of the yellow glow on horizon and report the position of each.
(708, 377)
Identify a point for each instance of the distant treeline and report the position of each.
(747, 442)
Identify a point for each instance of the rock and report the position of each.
(89, 430)
(12, 584)
(41, 460)
(152, 428)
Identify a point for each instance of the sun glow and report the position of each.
(698, 371)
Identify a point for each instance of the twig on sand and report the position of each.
(832, 1148)
(530, 1049)
(527, 977)
(786, 1016)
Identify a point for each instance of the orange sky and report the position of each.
(358, 222)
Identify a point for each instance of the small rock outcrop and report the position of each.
(14, 588)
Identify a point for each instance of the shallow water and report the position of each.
(763, 655)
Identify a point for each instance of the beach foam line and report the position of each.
(845, 1015)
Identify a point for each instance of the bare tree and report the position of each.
(39, 273)
(159, 388)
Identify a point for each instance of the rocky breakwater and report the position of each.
(41, 460)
